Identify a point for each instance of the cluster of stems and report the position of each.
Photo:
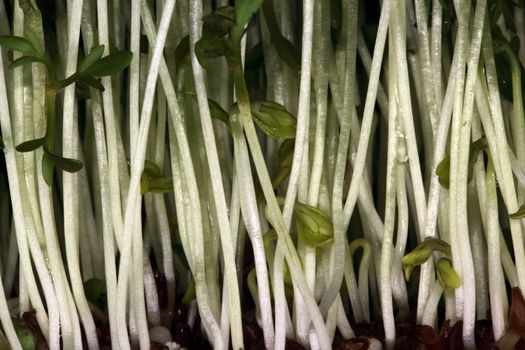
(303, 165)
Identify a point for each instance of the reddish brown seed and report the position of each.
(455, 338)
(484, 335)
(293, 345)
(29, 318)
(520, 345)
(252, 334)
(517, 312)
(426, 335)
(353, 344)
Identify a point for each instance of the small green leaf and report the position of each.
(151, 169)
(274, 119)
(518, 214)
(19, 44)
(144, 44)
(94, 55)
(179, 251)
(443, 172)
(66, 164)
(284, 48)
(25, 336)
(313, 225)
(422, 252)
(31, 145)
(152, 180)
(285, 158)
(109, 65)
(92, 82)
(182, 52)
(254, 58)
(443, 168)
(23, 61)
(161, 185)
(268, 238)
(190, 293)
(219, 23)
(446, 274)
(475, 147)
(144, 184)
(47, 169)
(216, 111)
(244, 10)
(27, 339)
(210, 47)
(60, 84)
(156, 185)
(95, 291)
(82, 91)
(288, 53)
(35, 42)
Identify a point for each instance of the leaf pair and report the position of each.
(285, 158)
(313, 225)
(95, 66)
(30, 47)
(422, 252)
(216, 111)
(446, 275)
(223, 30)
(284, 48)
(95, 291)
(443, 168)
(50, 159)
(153, 181)
(274, 119)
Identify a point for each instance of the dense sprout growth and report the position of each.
(256, 174)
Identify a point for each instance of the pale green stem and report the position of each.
(106, 208)
(338, 247)
(71, 181)
(250, 215)
(385, 276)
(188, 190)
(131, 241)
(498, 309)
(435, 188)
(429, 314)
(458, 185)
(505, 180)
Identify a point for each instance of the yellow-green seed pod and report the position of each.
(313, 226)
(446, 274)
(285, 158)
(268, 238)
(274, 119)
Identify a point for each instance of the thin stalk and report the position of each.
(275, 213)
(340, 226)
(216, 181)
(137, 167)
(251, 219)
(498, 309)
(387, 248)
(71, 181)
(194, 224)
(505, 180)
